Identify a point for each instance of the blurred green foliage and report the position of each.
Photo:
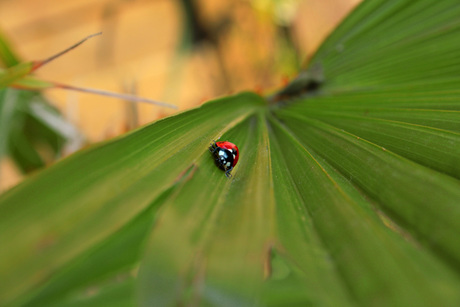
(32, 130)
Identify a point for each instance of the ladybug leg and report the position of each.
(227, 173)
(213, 147)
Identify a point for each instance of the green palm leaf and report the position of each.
(346, 194)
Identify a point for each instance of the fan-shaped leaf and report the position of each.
(346, 193)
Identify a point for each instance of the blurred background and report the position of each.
(182, 52)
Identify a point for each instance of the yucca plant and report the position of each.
(346, 193)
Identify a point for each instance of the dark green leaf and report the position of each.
(7, 56)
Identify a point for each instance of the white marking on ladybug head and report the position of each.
(221, 153)
(228, 164)
(234, 157)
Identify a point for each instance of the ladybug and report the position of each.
(226, 156)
